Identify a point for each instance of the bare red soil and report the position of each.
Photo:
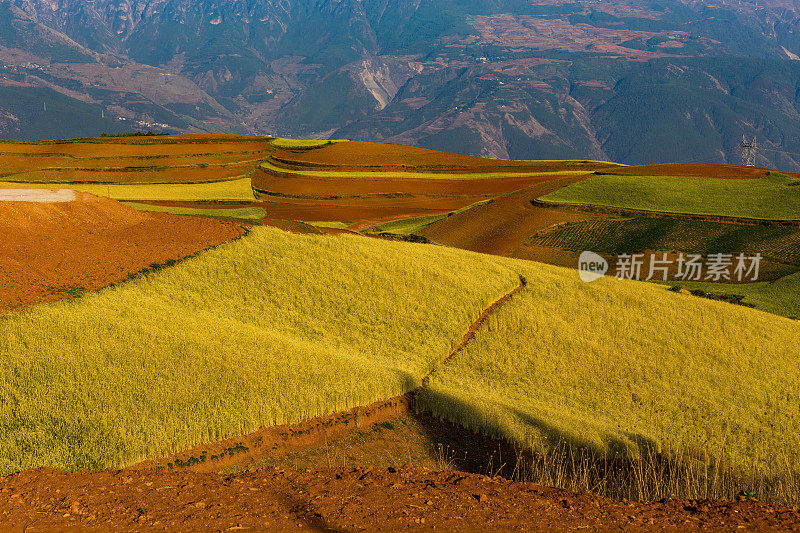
(365, 211)
(345, 499)
(316, 187)
(502, 226)
(51, 251)
(698, 171)
(358, 155)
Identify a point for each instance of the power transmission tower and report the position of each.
(749, 150)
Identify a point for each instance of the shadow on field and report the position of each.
(630, 467)
(565, 456)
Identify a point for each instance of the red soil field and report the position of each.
(16, 162)
(308, 186)
(51, 251)
(150, 497)
(167, 159)
(699, 171)
(351, 210)
(346, 499)
(502, 226)
(360, 155)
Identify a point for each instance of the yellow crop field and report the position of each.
(276, 328)
(272, 328)
(617, 367)
(280, 142)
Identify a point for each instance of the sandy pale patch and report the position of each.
(46, 196)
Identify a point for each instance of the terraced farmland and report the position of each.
(296, 335)
(133, 160)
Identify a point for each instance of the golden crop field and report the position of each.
(273, 328)
(619, 367)
(276, 328)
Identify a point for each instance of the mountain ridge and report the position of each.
(498, 78)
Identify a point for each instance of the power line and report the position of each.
(779, 151)
(762, 149)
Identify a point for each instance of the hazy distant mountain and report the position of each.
(632, 81)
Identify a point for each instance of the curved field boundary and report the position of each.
(474, 327)
(659, 214)
(278, 440)
(297, 166)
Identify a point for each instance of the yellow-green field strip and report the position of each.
(246, 213)
(279, 142)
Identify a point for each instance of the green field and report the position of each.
(276, 328)
(409, 226)
(781, 297)
(616, 236)
(246, 213)
(774, 197)
(240, 189)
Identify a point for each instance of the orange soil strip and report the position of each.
(308, 186)
(167, 175)
(12, 161)
(58, 250)
(131, 147)
(358, 155)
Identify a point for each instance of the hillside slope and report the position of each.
(278, 328)
(51, 251)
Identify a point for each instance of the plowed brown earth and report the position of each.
(503, 226)
(316, 187)
(358, 155)
(51, 251)
(345, 499)
(698, 171)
